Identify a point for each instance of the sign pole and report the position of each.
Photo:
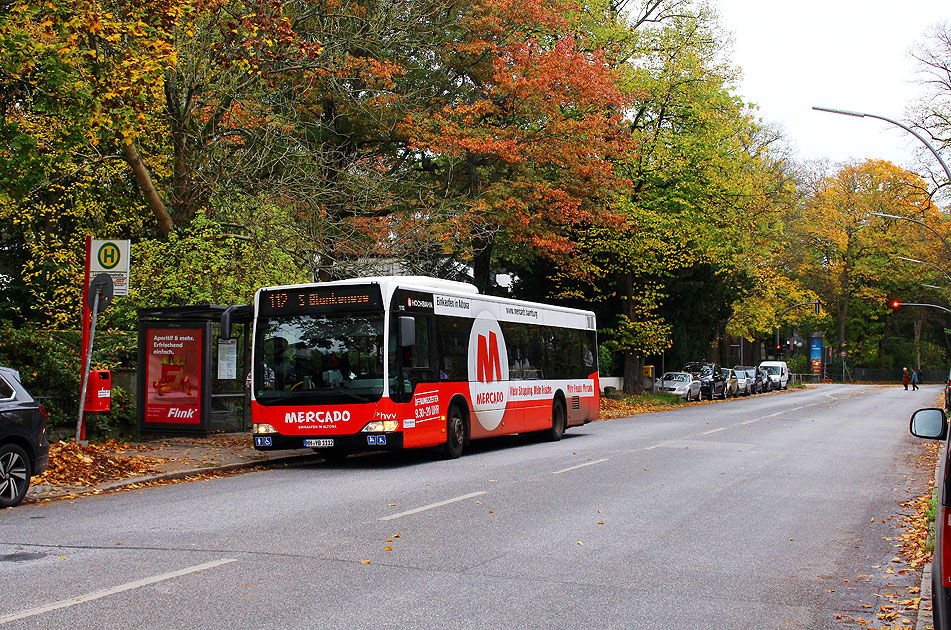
(100, 293)
(84, 347)
(80, 424)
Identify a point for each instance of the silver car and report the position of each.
(682, 384)
(744, 384)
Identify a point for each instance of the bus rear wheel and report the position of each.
(559, 421)
(455, 433)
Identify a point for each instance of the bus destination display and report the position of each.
(314, 300)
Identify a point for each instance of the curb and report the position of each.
(191, 472)
(925, 617)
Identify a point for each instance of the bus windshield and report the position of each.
(330, 358)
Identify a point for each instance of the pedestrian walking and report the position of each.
(905, 378)
(914, 380)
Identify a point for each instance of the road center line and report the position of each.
(82, 599)
(564, 470)
(713, 431)
(431, 506)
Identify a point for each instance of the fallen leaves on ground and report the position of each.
(71, 464)
(915, 523)
(901, 611)
(611, 408)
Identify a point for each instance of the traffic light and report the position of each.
(895, 304)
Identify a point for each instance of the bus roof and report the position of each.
(389, 284)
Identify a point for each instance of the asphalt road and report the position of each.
(768, 512)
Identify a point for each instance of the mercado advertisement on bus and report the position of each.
(173, 375)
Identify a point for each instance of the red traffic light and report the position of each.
(895, 304)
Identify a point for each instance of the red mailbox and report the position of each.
(99, 391)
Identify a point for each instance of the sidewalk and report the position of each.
(177, 458)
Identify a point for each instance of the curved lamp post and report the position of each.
(922, 223)
(924, 262)
(846, 112)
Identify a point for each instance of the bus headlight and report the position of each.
(264, 428)
(379, 426)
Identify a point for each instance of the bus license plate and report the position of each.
(319, 443)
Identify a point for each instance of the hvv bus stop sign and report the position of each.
(111, 257)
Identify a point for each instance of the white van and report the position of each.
(778, 373)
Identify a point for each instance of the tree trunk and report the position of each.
(481, 262)
(917, 342)
(144, 180)
(633, 367)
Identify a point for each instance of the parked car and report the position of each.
(764, 377)
(932, 424)
(757, 384)
(24, 449)
(778, 373)
(681, 384)
(743, 380)
(712, 382)
(732, 382)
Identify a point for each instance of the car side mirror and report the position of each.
(930, 423)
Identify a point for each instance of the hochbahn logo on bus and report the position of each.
(488, 371)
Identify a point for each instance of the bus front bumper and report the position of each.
(357, 442)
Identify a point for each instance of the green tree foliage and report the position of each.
(849, 257)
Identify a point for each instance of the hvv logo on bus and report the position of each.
(488, 370)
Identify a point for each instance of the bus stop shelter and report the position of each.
(188, 381)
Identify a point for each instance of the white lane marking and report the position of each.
(564, 470)
(772, 415)
(82, 599)
(432, 505)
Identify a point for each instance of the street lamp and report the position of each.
(923, 262)
(845, 112)
(922, 223)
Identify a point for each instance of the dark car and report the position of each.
(756, 381)
(764, 377)
(753, 378)
(24, 449)
(712, 382)
(932, 424)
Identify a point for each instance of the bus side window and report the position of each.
(453, 335)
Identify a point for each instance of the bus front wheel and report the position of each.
(455, 433)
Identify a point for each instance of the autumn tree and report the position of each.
(847, 255)
(703, 180)
(523, 143)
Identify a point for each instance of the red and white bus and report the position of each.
(405, 362)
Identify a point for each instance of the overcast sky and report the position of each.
(845, 54)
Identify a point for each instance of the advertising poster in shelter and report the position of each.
(173, 375)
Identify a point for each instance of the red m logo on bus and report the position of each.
(488, 366)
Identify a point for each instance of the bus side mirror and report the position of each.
(407, 332)
(930, 423)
